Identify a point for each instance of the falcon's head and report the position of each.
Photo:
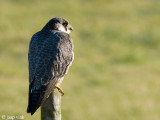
(59, 24)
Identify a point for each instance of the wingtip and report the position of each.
(30, 112)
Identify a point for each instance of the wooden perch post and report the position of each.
(51, 108)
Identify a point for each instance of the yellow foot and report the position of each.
(59, 89)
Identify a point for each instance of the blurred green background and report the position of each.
(116, 71)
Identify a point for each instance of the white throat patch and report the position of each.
(61, 28)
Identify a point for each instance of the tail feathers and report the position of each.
(37, 97)
(33, 99)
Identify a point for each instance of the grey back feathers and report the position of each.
(50, 55)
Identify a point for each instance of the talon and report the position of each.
(59, 89)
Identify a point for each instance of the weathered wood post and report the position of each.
(51, 108)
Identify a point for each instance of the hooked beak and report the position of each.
(70, 28)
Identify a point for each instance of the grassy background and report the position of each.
(116, 71)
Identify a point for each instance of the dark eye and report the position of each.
(65, 24)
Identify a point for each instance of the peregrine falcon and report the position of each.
(50, 55)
